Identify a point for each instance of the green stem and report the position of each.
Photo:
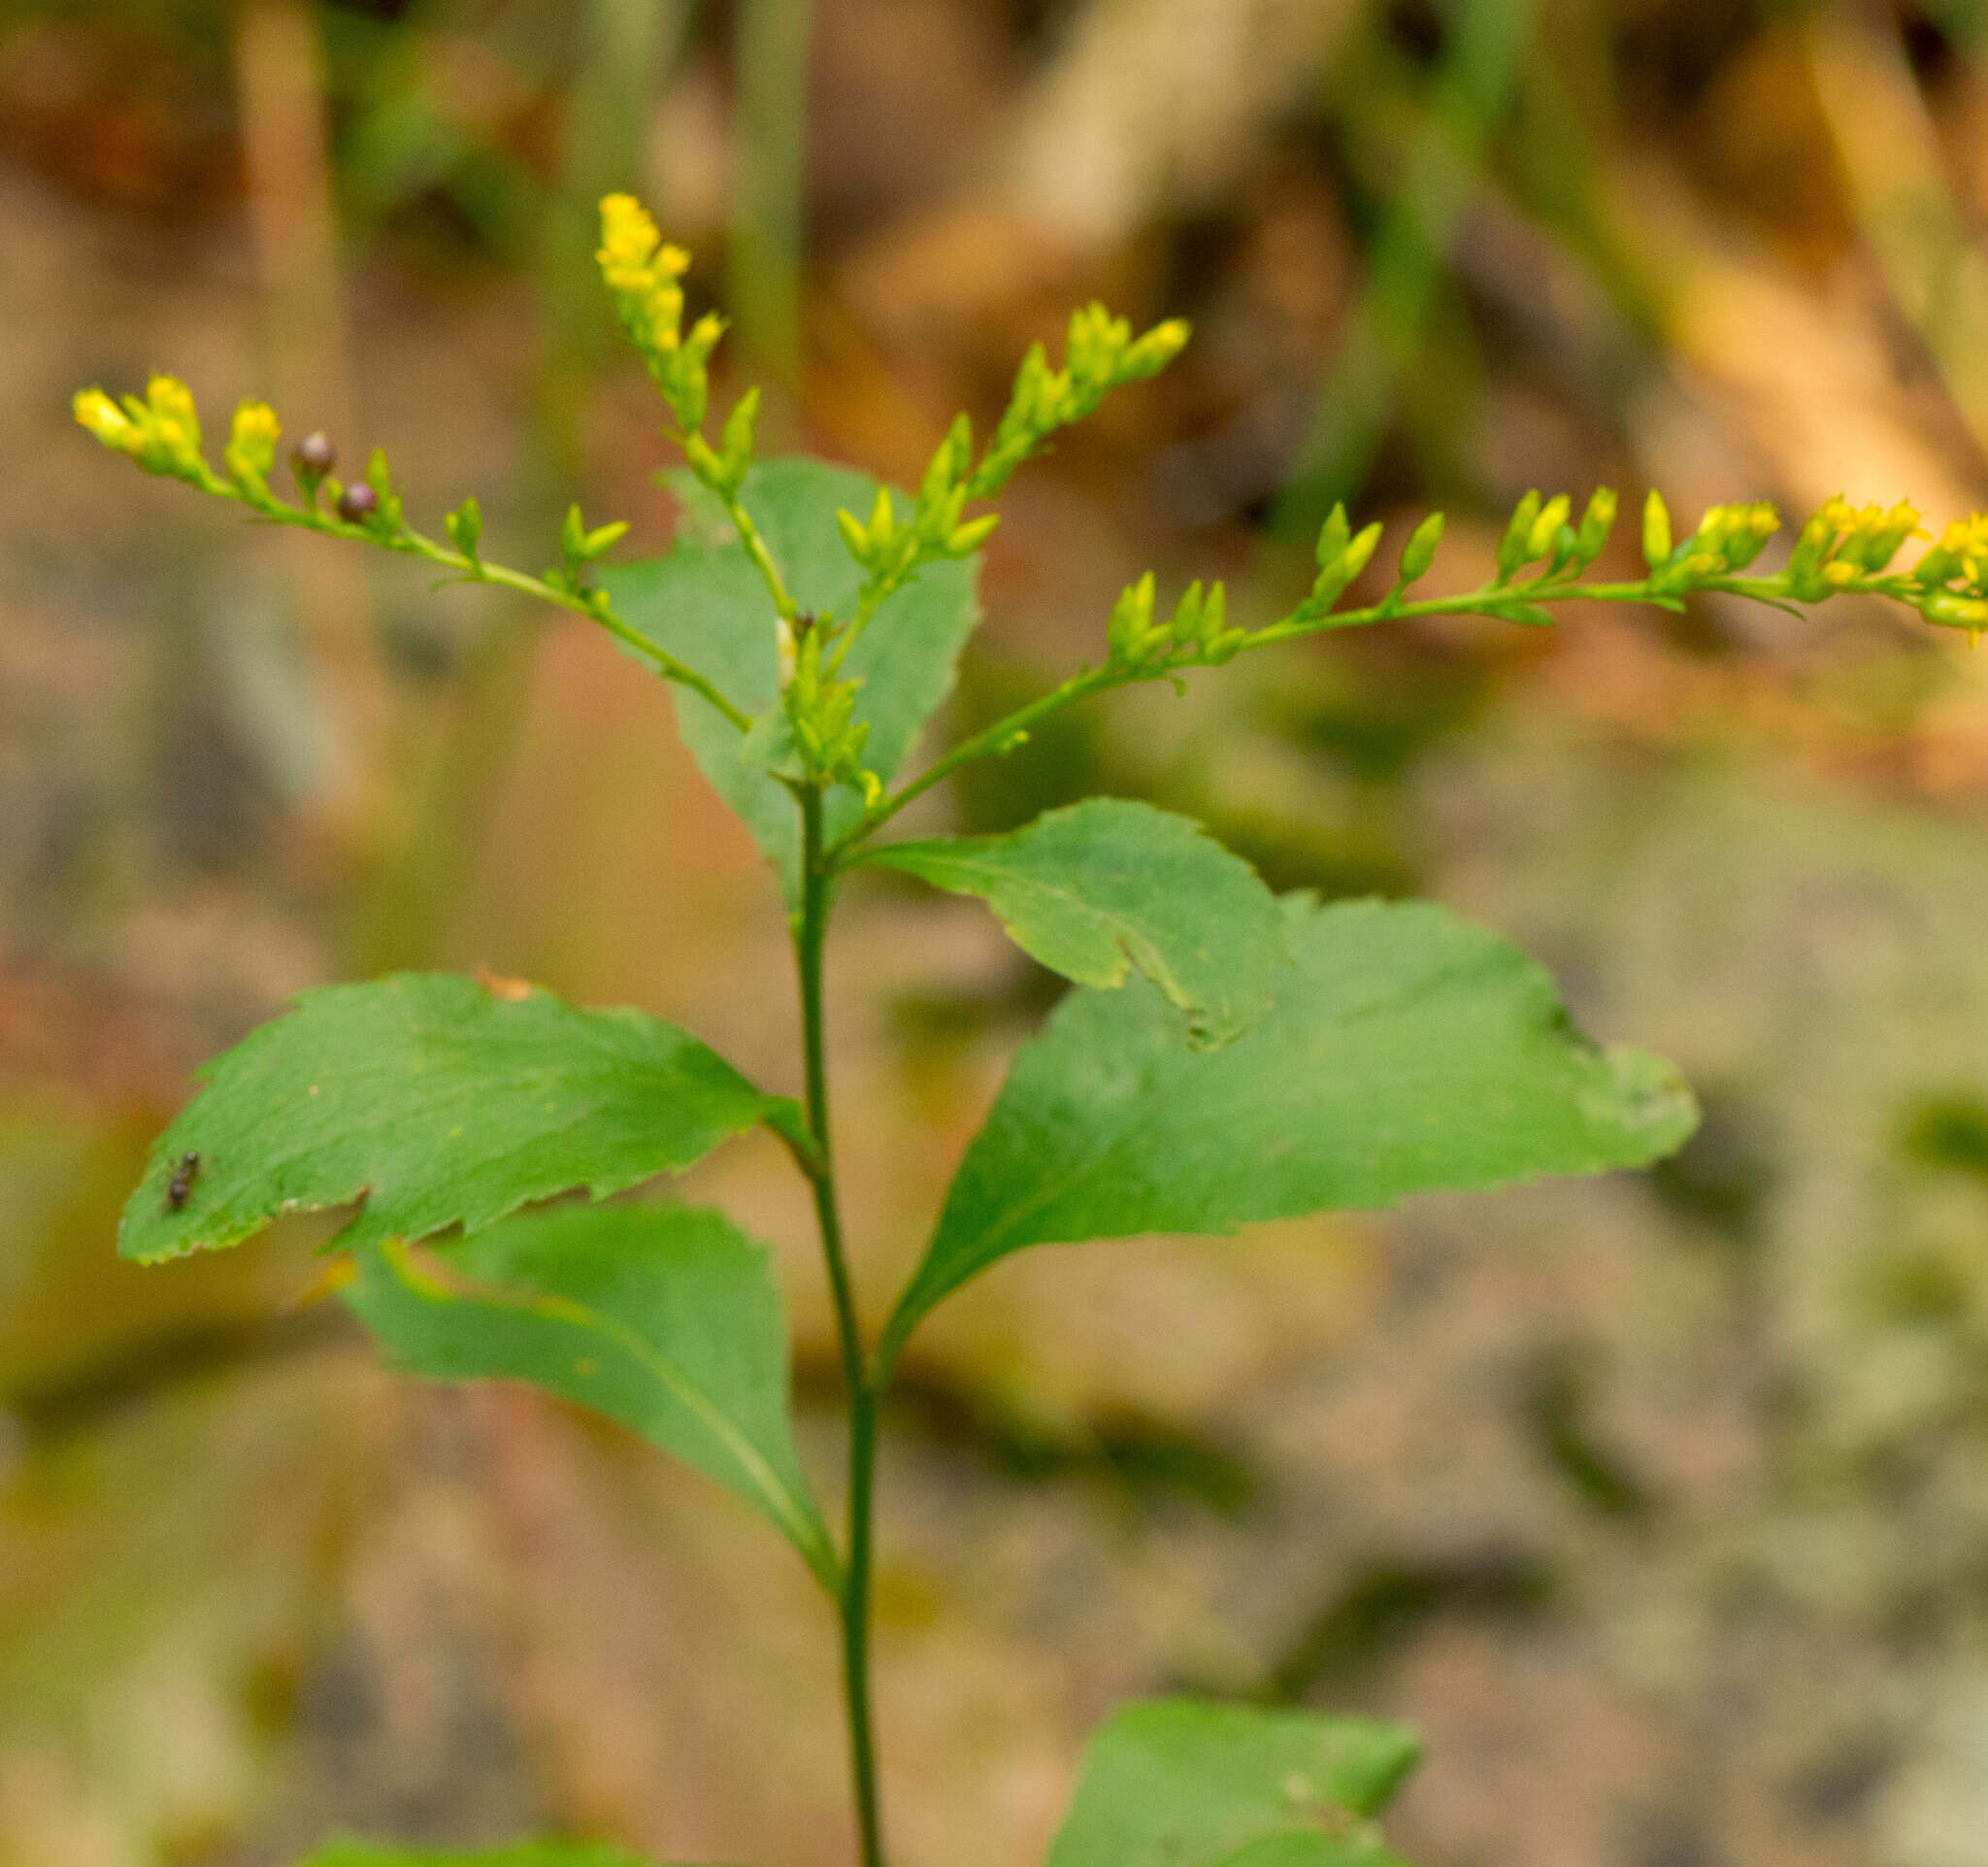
(709, 469)
(810, 930)
(409, 542)
(994, 739)
(857, 1623)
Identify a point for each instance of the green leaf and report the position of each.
(704, 603)
(1313, 1847)
(523, 1854)
(664, 1318)
(1407, 1052)
(442, 1103)
(1107, 884)
(1173, 1782)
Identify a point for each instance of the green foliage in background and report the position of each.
(1226, 1057)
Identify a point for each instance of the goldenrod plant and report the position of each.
(1226, 1057)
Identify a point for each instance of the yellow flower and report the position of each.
(1967, 539)
(103, 418)
(1728, 538)
(161, 433)
(251, 443)
(175, 421)
(642, 273)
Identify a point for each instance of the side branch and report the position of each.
(388, 532)
(579, 599)
(1146, 648)
(1003, 737)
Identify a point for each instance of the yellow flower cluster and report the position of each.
(642, 273)
(1961, 553)
(1728, 538)
(1966, 542)
(1869, 537)
(161, 433)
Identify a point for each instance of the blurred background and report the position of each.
(1660, 1502)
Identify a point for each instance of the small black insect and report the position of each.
(183, 1181)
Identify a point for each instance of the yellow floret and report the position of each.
(641, 272)
(175, 423)
(251, 441)
(103, 418)
(1967, 536)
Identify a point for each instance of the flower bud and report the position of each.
(465, 527)
(1420, 551)
(251, 446)
(1187, 624)
(736, 445)
(882, 528)
(1545, 531)
(357, 503)
(940, 472)
(311, 460)
(1515, 548)
(1214, 618)
(1333, 577)
(1596, 524)
(969, 537)
(1153, 351)
(1332, 536)
(1656, 531)
(1130, 628)
(1365, 544)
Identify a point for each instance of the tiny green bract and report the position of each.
(1225, 1057)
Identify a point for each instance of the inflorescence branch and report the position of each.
(1842, 550)
(162, 434)
(815, 739)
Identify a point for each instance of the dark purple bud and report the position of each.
(314, 455)
(357, 503)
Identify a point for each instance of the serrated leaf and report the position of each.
(665, 1318)
(1407, 1052)
(1177, 1782)
(1107, 884)
(704, 603)
(440, 1101)
(524, 1854)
